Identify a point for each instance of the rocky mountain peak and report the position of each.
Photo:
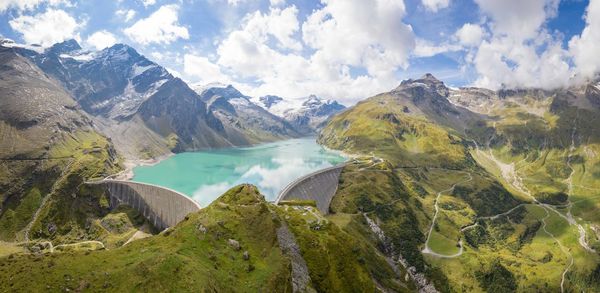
(119, 52)
(427, 82)
(227, 92)
(430, 78)
(269, 100)
(312, 100)
(65, 47)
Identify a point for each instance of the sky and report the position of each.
(339, 49)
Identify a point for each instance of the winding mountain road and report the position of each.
(427, 249)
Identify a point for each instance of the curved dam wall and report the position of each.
(163, 207)
(319, 186)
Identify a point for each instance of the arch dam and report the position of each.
(163, 207)
(319, 186)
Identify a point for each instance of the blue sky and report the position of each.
(342, 49)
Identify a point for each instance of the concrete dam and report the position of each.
(319, 186)
(163, 207)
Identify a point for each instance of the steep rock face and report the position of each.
(48, 147)
(428, 96)
(243, 121)
(142, 107)
(307, 117)
(34, 110)
(270, 100)
(176, 109)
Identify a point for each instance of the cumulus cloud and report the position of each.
(147, 3)
(277, 2)
(519, 51)
(585, 48)
(28, 4)
(203, 69)
(518, 19)
(206, 194)
(502, 62)
(361, 33)
(127, 15)
(435, 5)
(426, 48)
(341, 35)
(470, 34)
(46, 28)
(246, 51)
(160, 27)
(235, 2)
(101, 39)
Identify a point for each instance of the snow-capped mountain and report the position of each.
(144, 109)
(240, 115)
(112, 83)
(307, 115)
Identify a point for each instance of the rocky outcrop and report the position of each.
(300, 275)
(420, 280)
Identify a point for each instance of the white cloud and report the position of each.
(235, 2)
(46, 28)
(435, 5)
(246, 52)
(361, 33)
(29, 4)
(127, 15)
(174, 72)
(518, 19)
(277, 2)
(341, 35)
(586, 47)
(426, 48)
(101, 39)
(519, 53)
(281, 24)
(470, 34)
(157, 56)
(160, 27)
(206, 194)
(503, 62)
(147, 3)
(203, 70)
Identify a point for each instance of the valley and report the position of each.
(443, 190)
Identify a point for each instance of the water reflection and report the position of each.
(206, 175)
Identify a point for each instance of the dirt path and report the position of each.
(510, 174)
(427, 249)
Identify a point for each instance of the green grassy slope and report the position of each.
(198, 255)
(523, 147)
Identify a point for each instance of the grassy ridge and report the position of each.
(382, 127)
(552, 148)
(229, 246)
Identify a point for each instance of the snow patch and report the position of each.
(85, 57)
(239, 102)
(8, 43)
(137, 70)
(200, 88)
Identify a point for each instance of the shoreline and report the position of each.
(129, 164)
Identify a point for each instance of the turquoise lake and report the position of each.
(206, 175)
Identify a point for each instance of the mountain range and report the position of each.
(147, 112)
(448, 189)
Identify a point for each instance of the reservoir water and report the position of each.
(206, 175)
